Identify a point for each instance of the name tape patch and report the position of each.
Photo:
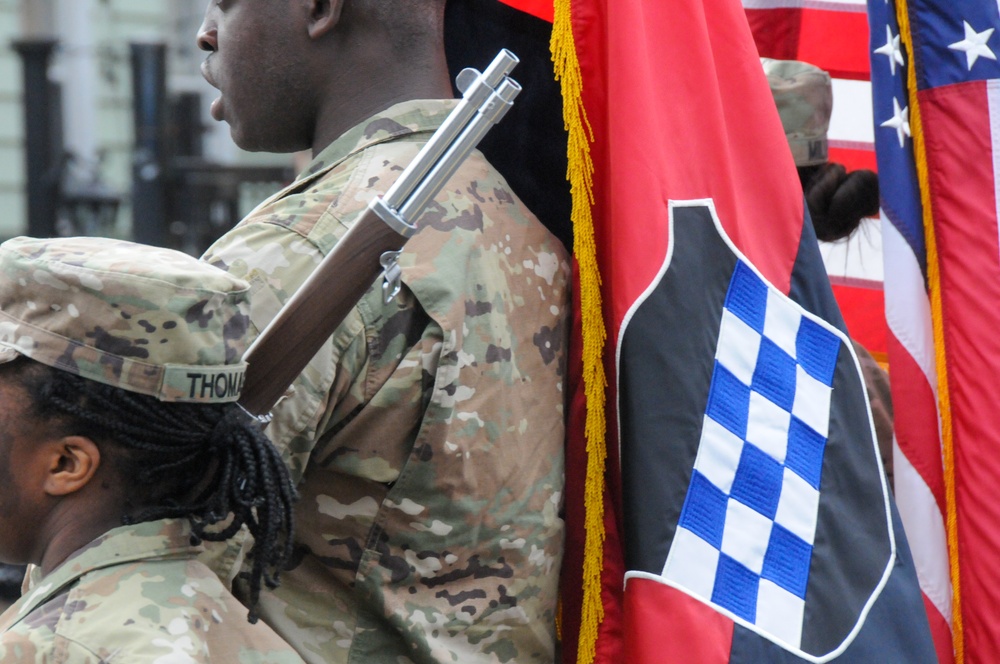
(203, 384)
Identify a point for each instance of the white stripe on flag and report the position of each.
(852, 118)
(853, 145)
(908, 314)
(907, 309)
(828, 5)
(925, 530)
(993, 99)
(857, 258)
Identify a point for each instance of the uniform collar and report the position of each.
(162, 540)
(402, 119)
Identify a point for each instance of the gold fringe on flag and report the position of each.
(580, 173)
(934, 282)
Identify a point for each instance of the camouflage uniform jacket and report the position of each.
(136, 594)
(427, 435)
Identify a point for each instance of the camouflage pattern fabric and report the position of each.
(146, 319)
(427, 436)
(138, 595)
(804, 97)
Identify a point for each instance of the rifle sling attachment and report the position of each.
(391, 275)
(391, 272)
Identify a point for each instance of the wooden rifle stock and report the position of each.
(321, 304)
(316, 309)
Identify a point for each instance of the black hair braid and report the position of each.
(273, 559)
(209, 463)
(838, 200)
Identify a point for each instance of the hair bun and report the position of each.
(838, 200)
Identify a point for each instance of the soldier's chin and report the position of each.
(245, 140)
(262, 141)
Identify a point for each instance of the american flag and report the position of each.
(937, 129)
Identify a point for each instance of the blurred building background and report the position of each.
(104, 126)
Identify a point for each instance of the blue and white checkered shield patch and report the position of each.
(758, 474)
(747, 527)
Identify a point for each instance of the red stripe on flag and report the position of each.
(864, 313)
(541, 8)
(611, 644)
(834, 41)
(940, 632)
(957, 133)
(845, 56)
(776, 31)
(666, 625)
(916, 433)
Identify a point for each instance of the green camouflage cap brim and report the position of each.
(145, 319)
(804, 97)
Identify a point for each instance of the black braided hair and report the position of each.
(838, 200)
(210, 463)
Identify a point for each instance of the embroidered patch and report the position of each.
(745, 536)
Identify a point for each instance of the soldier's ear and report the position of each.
(324, 15)
(72, 463)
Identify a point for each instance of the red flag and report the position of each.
(540, 8)
(669, 117)
(622, 55)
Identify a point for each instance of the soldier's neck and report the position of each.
(73, 527)
(379, 90)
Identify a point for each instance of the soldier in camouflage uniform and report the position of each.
(427, 434)
(118, 368)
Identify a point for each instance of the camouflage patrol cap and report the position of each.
(804, 97)
(144, 319)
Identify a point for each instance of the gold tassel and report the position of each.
(580, 173)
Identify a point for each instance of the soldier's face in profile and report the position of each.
(256, 56)
(23, 503)
(54, 489)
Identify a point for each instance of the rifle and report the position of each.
(373, 243)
